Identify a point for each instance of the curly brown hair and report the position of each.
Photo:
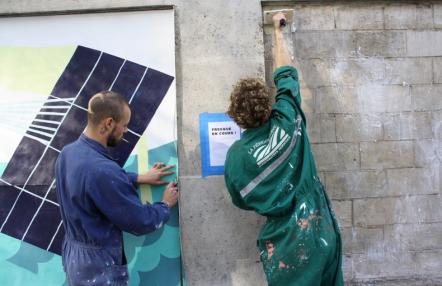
(250, 103)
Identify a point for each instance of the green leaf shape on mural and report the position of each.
(21, 263)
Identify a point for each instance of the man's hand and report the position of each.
(170, 196)
(277, 20)
(154, 175)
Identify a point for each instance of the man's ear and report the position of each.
(109, 123)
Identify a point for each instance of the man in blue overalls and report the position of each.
(98, 199)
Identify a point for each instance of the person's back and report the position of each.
(80, 167)
(87, 231)
(271, 170)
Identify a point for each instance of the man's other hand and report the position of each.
(170, 196)
(154, 176)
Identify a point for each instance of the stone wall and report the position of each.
(372, 90)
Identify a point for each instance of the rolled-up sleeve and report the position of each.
(115, 196)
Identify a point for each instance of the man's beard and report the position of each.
(112, 141)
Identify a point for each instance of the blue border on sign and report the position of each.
(205, 118)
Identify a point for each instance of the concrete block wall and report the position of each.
(371, 84)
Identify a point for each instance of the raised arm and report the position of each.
(281, 51)
(288, 97)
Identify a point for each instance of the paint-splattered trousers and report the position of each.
(303, 247)
(89, 265)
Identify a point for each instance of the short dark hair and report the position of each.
(106, 104)
(250, 103)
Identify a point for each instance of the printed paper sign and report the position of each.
(217, 133)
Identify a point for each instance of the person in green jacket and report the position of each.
(271, 170)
